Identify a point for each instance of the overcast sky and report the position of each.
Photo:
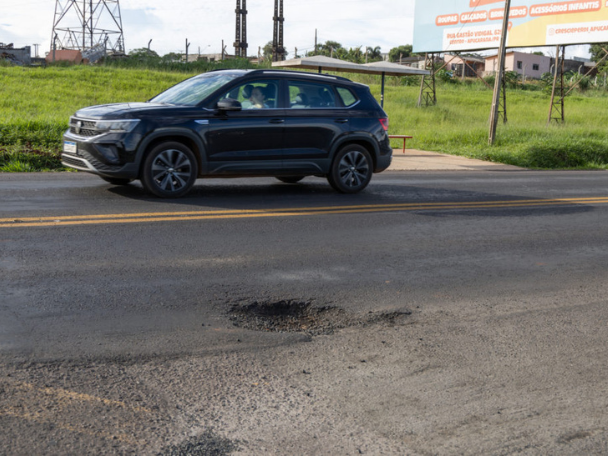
(353, 23)
(205, 23)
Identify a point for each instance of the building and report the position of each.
(465, 66)
(527, 65)
(19, 56)
(534, 65)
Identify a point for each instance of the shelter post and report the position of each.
(382, 91)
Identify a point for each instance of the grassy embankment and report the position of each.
(35, 104)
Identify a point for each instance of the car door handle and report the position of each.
(277, 121)
(341, 120)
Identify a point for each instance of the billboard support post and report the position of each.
(562, 94)
(501, 71)
(558, 107)
(428, 91)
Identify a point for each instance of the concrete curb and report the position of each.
(420, 160)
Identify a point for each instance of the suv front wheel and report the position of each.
(351, 170)
(170, 170)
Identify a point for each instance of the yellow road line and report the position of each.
(71, 395)
(280, 212)
(39, 418)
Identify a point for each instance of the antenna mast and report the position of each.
(87, 24)
(240, 41)
(278, 51)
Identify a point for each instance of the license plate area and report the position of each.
(70, 147)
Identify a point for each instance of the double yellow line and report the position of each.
(283, 212)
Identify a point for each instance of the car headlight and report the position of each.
(116, 126)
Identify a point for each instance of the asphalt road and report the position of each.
(434, 313)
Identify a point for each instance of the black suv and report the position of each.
(235, 123)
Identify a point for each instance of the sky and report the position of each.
(205, 23)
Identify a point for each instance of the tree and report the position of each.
(373, 54)
(597, 51)
(172, 57)
(267, 51)
(143, 53)
(396, 53)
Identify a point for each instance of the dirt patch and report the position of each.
(304, 316)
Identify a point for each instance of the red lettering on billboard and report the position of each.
(514, 13)
(582, 6)
(477, 16)
(447, 19)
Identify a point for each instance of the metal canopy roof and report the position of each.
(320, 62)
(394, 69)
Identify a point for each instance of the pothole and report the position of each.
(203, 445)
(304, 316)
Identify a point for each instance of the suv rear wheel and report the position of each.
(170, 170)
(351, 170)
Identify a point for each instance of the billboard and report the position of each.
(465, 25)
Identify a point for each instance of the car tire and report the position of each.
(290, 179)
(117, 180)
(351, 169)
(169, 170)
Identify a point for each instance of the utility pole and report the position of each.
(240, 40)
(149, 43)
(187, 46)
(278, 51)
(498, 85)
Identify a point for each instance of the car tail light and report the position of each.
(384, 122)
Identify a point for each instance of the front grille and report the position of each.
(87, 127)
(69, 160)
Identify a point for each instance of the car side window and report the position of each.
(255, 94)
(347, 96)
(307, 95)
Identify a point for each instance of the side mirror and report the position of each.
(229, 104)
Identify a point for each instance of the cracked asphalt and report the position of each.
(434, 313)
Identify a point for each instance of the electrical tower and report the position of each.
(278, 51)
(87, 24)
(240, 41)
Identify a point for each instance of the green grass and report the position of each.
(36, 103)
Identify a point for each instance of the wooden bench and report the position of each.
(404, 137)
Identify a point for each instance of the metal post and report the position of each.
(559, 106)
(501, 69)
(382, 92)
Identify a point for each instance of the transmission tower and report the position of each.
(86, 24)
(240, 41)
(278, 51)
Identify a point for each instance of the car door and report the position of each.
(314, 119)
(249, 140)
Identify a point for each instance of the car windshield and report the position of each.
(194, 90)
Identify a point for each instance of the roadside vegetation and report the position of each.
(36, 103)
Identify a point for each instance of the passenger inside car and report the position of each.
(257, 99)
